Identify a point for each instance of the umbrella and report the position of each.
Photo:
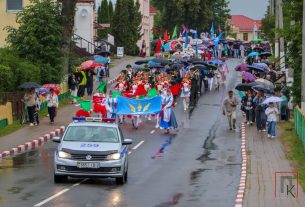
(262, 65)
(198, 63)
(202, 47)
(167, 47)
(256, 40)
(28, 85)
(137, 67)
(162, 61)
(248, 76)
(263, 89)
(100, 59)
(211, 66)
(242, 67)
(216, 61)
(252, 54)
(266, 54)
(42, 91)
(264, 82)
(245, 86)
(173, 44)
(57, 88)
(103, 52)
(258, 49)
(273, 99)
(140, 62)
(195, 60)
(177, 66)
(256, 68)
(238, 42)
(201, 67)
(87, 64)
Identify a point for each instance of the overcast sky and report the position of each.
(255, 9)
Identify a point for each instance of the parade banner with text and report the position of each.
(138, 106)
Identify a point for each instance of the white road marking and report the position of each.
(138, 145)
(59, 193)
(152, 131)
(52, 197)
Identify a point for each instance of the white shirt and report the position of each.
(52, 100)
(271, 113)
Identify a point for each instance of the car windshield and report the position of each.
(92, 134)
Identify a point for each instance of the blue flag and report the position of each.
(196, 37)
(212, 31)
(216, 41)
(186, 40)
(138, 106)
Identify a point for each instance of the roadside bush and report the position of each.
(6, 83)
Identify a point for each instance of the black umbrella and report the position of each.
(198, 62)
(263, 88)
(103, 53)
(258, 49)
(140, 62)
(163, 61)
(245, 86)
(176, 66)
(193, 60)
(201, 67)
(256, 68)
(266, 54)
(28, 85)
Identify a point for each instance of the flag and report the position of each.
(101, 87)
(165, 36)
(216, 41)
(151, 35)
(196, 37)
(174, 36)
(76, 98)
(186, 40)
(219, 29)
(133, 106)
(185, 29)
(152, 92)
(212, 31)
(115, 94)
(85, 105)
(158, 46)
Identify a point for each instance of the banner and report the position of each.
(138, 106)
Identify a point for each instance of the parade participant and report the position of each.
(99, 107)
(186, 91)
(134, 85)
(129, 71)
(159, 84)
(147, 85)
(229, 109)
(110, 106)
(52, 103)
(136, 120)
(168, 119)
(121, 84)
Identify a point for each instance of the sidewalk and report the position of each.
(27, 133)
(265, 157)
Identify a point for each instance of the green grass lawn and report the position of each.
(294, 150)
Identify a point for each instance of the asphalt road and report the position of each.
(200, 166)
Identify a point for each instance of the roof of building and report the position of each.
(152, 10)
(245, 23)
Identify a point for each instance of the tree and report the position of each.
(103, 17)
(126, 25)
(39, 44)
(110, 10)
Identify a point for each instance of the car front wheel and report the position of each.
(123, 179)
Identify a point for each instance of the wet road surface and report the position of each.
(199, 165)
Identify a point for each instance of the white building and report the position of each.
(84, 24)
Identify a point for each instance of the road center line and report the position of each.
(138, 145)
(52, 197)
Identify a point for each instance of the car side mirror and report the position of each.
(127, 142)
(56, 139)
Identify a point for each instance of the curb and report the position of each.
(243, 175)
(32, 144)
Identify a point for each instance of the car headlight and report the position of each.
(115, 156)
(64, 155)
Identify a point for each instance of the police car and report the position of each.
(91, 148)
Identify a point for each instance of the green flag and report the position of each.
(151, 35)
(85, 105)
(76, 98)
(152, 92)
(101, 87)
(174, 36)
(115, 94)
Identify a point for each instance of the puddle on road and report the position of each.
(196, 174)
(175, 200)
(26, 196)
(15, 190)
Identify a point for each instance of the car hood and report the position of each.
(91, 146)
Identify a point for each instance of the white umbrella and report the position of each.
(264, 82)
(273, 99)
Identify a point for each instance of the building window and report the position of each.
(14, 5)
(245, 36)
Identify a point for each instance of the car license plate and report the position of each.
(88, 165)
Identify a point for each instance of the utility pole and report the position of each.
(303, 61)
(282, 49)
(276, 45)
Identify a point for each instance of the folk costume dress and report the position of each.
(168, 119)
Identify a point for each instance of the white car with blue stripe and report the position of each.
(91, 148)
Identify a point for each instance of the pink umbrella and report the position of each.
(89, 64)
(57, 88)
(248, 76)
(242, 67)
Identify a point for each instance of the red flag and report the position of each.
(165, 36)
(155, 31)
(158, 46)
